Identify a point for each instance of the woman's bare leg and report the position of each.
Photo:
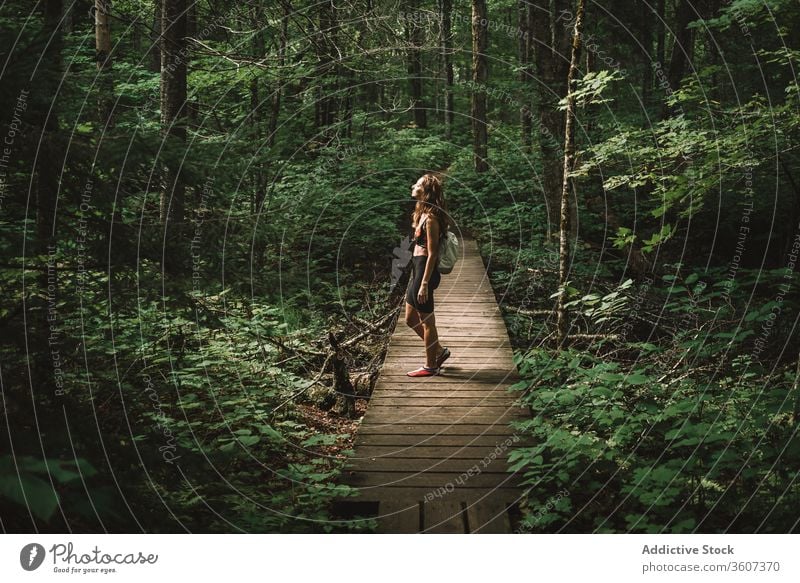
(432, 347)
(413, 320)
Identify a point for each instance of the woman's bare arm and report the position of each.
(433, 249)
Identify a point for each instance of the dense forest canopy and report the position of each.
(203, 205)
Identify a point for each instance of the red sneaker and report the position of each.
(423, 371)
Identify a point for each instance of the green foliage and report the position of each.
(186, 348)
(641, 448)
(30, 482)
(590, 88)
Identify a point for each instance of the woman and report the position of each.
(430, 223)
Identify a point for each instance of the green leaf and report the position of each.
(32, 492)
(249, 440)
(637, 379)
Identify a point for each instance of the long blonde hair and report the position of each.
(432, 201)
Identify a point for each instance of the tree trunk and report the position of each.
(173, 110)
(345, 392)
(414, 40)
(524, 54)
(660, 33)
(447, 63)
(276, 94)
(682, 49)
(569, 161)
(105, 80)
(255, 107)
(155, 38)
(479, 77)
(47, 166)
(44, 332)
(326, 69)
(647, 43)
(551, 43)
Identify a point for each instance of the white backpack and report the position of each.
(448, 253)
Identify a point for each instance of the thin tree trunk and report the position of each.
(44, 330)
(524, 54)
(550, 45)
(47, 168)
(447, 62)
(105, 80)
(414, 39)
(682, 49)
(796, 390)
(155, 38)
(660, 33)
(590, 66)
(326, 70)
(647, 43)
(173, 108)
(276, 94)
(255, 107)
(479, 77)
(569, 161)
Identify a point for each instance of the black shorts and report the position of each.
(418, 262)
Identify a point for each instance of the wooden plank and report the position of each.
(478, 418)
(412, 361)
(466, 349)
(399, 515)
(433, 429)
(454, 465)
(458, 394)
(456, 335)
(468, 324)
(449, 376)
(461, 343)
(388, 391)
(494, 357)
(462, 351)
(470, 496)
(435, 452)
(411, 400)
(443, 517)
(431, 480)
(454, 413)
(488, 516)
(401, 439)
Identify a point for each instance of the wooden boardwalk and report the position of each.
(430, 452)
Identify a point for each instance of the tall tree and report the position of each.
(551, 45)
(278, 89)
(525, 73)
(173, 110)
(105, 80)
(660, 32)
(446, 10)
(569, 161)
(255, 105)
(327, 67)
(155, 38)
(647, 52)
(47, 78)
(414, 41)
(682, 48)
(480, 74)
